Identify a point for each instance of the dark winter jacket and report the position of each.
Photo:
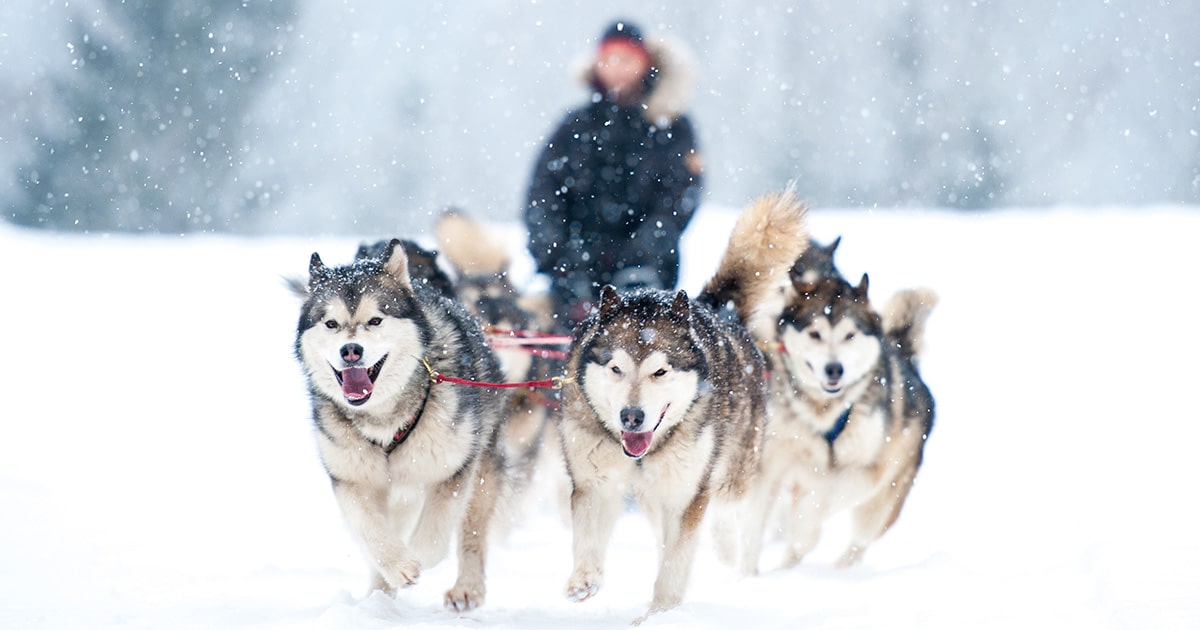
(615, 187)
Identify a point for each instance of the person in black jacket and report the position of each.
(619, 180)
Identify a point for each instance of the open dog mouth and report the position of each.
(358, 382)
(636, 443)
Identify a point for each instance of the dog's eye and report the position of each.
(849, 336)
(814, 335)
(375, 321)
(331, 324)
(660, 373)
(616, 370)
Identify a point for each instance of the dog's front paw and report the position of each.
(462, 598)
(582, 585)
(852, 557)
(402, 573)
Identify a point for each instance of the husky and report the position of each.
(849, 417)
(423, 265)
(816, 262)
(668, 402)
(903, 317)
(481, 265)
(412, 461)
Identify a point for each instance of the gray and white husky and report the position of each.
(413, 463)
(480, 262)
(668, 402)
(849, 415)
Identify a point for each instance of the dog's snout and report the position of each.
(834, 371)
(352, 353)
(632, 418)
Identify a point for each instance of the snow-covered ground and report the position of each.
(157, 466)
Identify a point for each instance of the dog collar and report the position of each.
(405, 429)
(838, 426)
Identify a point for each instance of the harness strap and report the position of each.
(406, 429)
(838, 426)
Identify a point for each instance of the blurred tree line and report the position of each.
(148, 129)
(364, 117)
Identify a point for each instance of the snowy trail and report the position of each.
(158, 470)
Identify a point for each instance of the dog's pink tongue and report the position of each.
(355, 383)
(636, 444)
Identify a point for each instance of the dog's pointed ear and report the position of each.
(609, 300)
(860, 292)
(681, 307)
(397, 264)
(833, 246)
(316, 268)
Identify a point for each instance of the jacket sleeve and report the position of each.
(545, 207)
(680, 179)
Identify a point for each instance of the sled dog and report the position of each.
(816, 262)
(849, 416)
(480, 263)
(903, 316)
(422, 263)
(668, 402)
(412, 462)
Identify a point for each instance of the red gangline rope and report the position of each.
(512, 339)
(531, 337)
(554, 382)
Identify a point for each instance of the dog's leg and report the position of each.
(679, 529)
(364, 509)
(595, 506)
(469, 589)
(443, 511)
(727, 525)
(802, 528)
(754, 512)
(874, 517)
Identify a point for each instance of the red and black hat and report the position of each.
(625, 35)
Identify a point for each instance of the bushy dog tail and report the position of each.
(904, 318)
(768, 237)
(468, 247)
(296, 286)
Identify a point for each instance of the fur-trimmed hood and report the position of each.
(671, 93)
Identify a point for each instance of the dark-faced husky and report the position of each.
(413, 463)
(669, 402)
(816, 262)
(850, 416)
(516, 321)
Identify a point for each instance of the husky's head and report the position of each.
(361, 331)
(492, 299)
(830, 334)
(422, 263)
(815, 263)
(639, 367)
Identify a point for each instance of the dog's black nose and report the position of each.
(352, 353)
(834, 371)
(632, 418)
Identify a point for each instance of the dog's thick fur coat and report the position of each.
(849, 415)
(412, 463)
(668, 402)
